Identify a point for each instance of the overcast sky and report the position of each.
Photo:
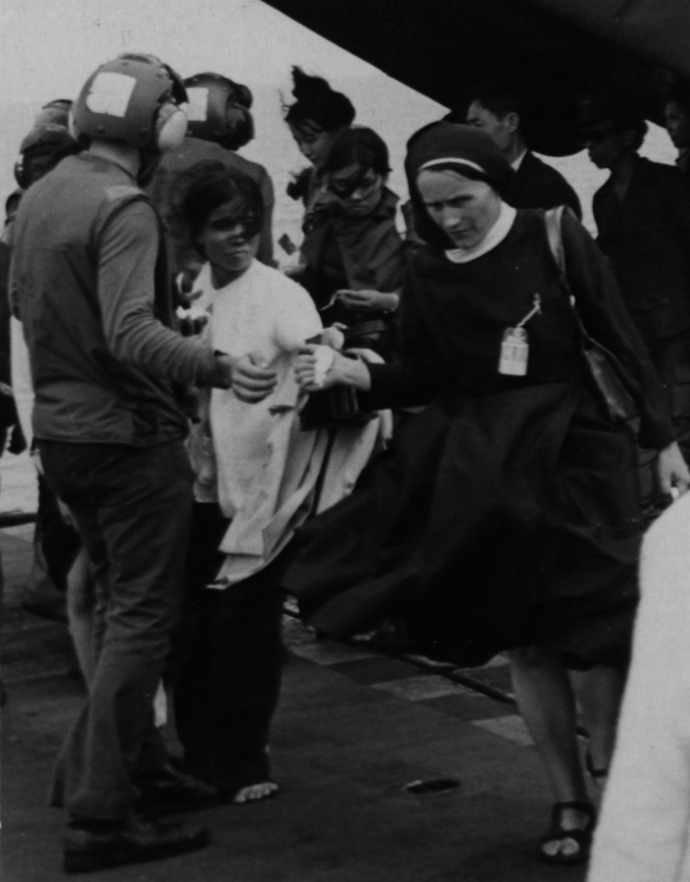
(50, 46)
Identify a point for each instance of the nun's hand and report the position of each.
(672, 471)
(342, 371)
(309, 368)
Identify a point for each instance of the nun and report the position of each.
(505, 516)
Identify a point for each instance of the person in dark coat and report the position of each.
(642, 214)
(506, 517)
(677, 117)
(495, 108)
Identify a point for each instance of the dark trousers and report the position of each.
(228, 664)
(132, 507)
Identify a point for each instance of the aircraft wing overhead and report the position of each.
(656, 29)
(556, 49)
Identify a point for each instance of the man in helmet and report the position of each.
(90, 284)
(48, 142)
(219, 124)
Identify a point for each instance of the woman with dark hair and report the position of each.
(259, 476)
(353, 255)
(316, 118)
(220, 124)
(507, 516)
(228, 652)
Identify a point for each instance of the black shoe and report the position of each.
(90, 846)
(171, 788)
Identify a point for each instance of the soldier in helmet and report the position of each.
(90, 285)
(219, 124)
(48, 142)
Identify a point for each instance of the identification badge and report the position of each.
(514, 353)
(515, 345)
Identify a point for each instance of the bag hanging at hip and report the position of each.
(603, 366)
(341, 406)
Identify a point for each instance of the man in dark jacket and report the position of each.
(642, 214)
(677, 117)
(495, 108)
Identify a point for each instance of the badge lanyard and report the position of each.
(515, 345)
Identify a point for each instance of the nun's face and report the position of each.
(464, 209)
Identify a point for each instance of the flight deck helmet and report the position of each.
(135, 99)
(48, 142)
(219, 110)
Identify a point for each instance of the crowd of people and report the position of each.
(459, 432)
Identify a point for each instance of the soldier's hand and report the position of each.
(252, 381)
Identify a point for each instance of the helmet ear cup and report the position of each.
(171, 127)
(20, 173)
(239, 127)
(72, 125)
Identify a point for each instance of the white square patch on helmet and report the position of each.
(197, 111)
(110, 93)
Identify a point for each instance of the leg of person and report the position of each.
(187, 669)
(81, 601)
(240, 714)
(600, 692)
(41, 595)
(132, 507)
(547, 704)
(3, 694)
(240, 718)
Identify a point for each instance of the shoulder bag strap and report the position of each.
(552, 218)
(554, 235)
(604, 368)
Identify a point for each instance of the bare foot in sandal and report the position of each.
(569, 837)
(254, 792)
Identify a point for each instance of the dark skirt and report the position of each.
(494, 522)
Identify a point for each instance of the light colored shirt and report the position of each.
(517, 162)
(268, 315)
(644, 830)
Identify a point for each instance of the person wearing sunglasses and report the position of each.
(642, 214)
(354, 255)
